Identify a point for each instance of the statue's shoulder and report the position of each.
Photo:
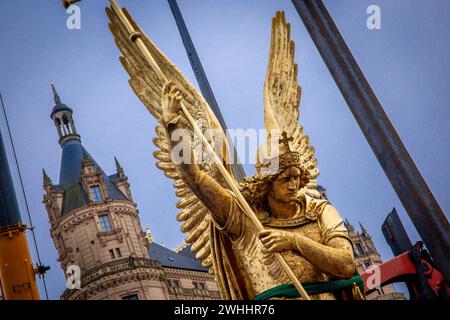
(314, 207)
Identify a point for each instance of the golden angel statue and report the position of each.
(294, 221)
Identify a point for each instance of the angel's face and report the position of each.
(285, 187)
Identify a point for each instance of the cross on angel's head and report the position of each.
(285, 140)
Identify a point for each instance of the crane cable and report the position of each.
(24, 198)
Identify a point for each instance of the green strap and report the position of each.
(289, 291)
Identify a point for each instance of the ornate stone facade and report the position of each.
(366, 256)
(95, 226)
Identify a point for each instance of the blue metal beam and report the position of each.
(202, 80)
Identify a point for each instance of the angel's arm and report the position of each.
(334, 257)
(217, 199)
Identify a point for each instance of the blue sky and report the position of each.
(406, 63)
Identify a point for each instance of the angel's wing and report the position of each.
(281, 91)
(282, 97)
(307, 159)
(147, 85)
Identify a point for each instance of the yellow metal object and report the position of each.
(16, 269)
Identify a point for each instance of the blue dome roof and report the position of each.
(72, 157)
(60, 107)
(69, 178)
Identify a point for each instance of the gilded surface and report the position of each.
(306, 230)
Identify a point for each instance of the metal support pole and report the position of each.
(395, 160)
(9, 209)
(17, 276)
(203, 82)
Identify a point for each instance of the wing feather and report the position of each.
(308, 161)
(186, 213)
(193, 221)
(282, 97)
(147, 85)
(194, 235)
(281, 91)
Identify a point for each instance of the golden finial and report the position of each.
(149, 235)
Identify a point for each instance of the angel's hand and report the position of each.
(171, 101)
(276, 241)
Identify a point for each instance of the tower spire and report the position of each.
(63, 120)
(348, 225)
(55, 94)
(119, 168)
(363, 230)
(46, 177)
(47, 183)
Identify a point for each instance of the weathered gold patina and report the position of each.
(307, 230)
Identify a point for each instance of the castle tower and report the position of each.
(95, 225)
(367, 256)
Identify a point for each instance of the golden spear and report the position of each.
(135, 38)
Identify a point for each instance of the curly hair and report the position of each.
(255, 189)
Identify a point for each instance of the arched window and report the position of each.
(105, 223)
(96, 194)
(359, 250)
(66, 124)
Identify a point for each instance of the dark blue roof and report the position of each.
(60, 107)
(171, 259)
(186, 251)
(69, 177)
(114, 178)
